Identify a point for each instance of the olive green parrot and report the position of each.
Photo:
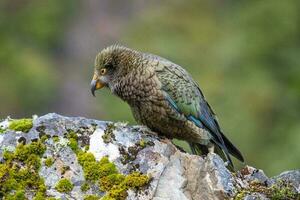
(163, 96)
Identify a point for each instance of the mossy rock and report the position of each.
(20, 171)
(64, 186)
(23, 125)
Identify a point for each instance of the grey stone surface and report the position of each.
(291, 176)
(175, 175)
(255, 196)
(256, 175)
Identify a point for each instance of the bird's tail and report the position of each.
(232, 149)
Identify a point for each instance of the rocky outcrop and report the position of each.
(79, 158)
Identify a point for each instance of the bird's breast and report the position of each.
(138, 86)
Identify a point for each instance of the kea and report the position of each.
(162, 96)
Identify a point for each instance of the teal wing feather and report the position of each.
(185, 96)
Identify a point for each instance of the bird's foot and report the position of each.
(211, 149)
(147, 131)
(226, 163)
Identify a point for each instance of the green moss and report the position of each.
(136, 180)
(116, 192)
(33, 162)
(107, 198)
(39, 196)
(72, 134)
(86, 147)
(106, 167)
(23, 125)
(7, 155)
(64, 186)
(73, 144)
(279, 191)
(19, 195)
(44, 138)
(85, 158)
(107, 182)
(240, 195)
(19, 171)
(94, 170)
(24, 151)
(85, 187)
(283, 190)
(117, 186)
(109, 135)
(2, 130)
(110, 180)
(3, 170)
(143, 143)
(91, 197)
(49, 162)
(55, 138)
(105, 172)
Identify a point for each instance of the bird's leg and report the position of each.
(211, 148)
(147, 131)
(226, 163)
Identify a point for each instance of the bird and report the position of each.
(164, 97)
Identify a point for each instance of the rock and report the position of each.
(165, 172)
(290, 176)
(251, 174)
(255, 196)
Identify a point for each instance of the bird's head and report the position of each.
(110, 64)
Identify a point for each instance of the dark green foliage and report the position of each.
(30, 32)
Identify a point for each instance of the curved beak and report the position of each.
(96, 84)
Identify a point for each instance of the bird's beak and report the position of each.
(96, 84)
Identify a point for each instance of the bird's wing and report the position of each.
(185, 96)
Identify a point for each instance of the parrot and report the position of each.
(163, 97)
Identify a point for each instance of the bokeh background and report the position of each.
(244, 54)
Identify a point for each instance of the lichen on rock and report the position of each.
(77, 158)
(109, 178)
(108, 135)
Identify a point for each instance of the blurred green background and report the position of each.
(244, 54)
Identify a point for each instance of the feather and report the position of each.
(185, 96)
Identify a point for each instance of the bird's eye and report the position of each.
(103, 71)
